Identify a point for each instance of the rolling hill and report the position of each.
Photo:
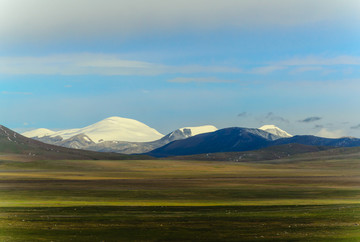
(265, 154)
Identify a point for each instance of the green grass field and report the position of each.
(305, 198)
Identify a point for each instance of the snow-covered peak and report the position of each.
(113, 129)
(38, 133)
(199, 129)
(187, 132)
(275, 130)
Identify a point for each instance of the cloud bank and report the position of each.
(43, 19)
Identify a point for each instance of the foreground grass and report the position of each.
(314, 223)
(297, 199)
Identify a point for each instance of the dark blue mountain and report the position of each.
(223, 140)
(242, 139)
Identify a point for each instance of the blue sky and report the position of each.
(169, 64)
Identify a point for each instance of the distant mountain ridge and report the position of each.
(242, 139)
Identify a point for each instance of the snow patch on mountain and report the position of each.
(199, 129)
(276, 131)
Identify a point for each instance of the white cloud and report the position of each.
(99, 64)
(331, 133)
(57, 19)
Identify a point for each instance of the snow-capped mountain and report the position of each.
(276, 131)
(113, 128)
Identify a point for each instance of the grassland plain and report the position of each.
(302, 198)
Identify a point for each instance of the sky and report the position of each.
(169, 64)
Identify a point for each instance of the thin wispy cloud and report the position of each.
(297, 65)
(320, 61)
(318, 126)
(266, 69)
(355, 127)
(334, 86)
(273, 117)
(309, 69)
(98, 64)
(111, 64)
(198, 79)
(15, 93)
(310, 119)
(242, 114)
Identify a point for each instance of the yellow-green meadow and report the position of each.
(301, 198)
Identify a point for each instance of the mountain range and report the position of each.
(115, 134)
(130, 136)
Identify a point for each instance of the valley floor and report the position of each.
(303, 198)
